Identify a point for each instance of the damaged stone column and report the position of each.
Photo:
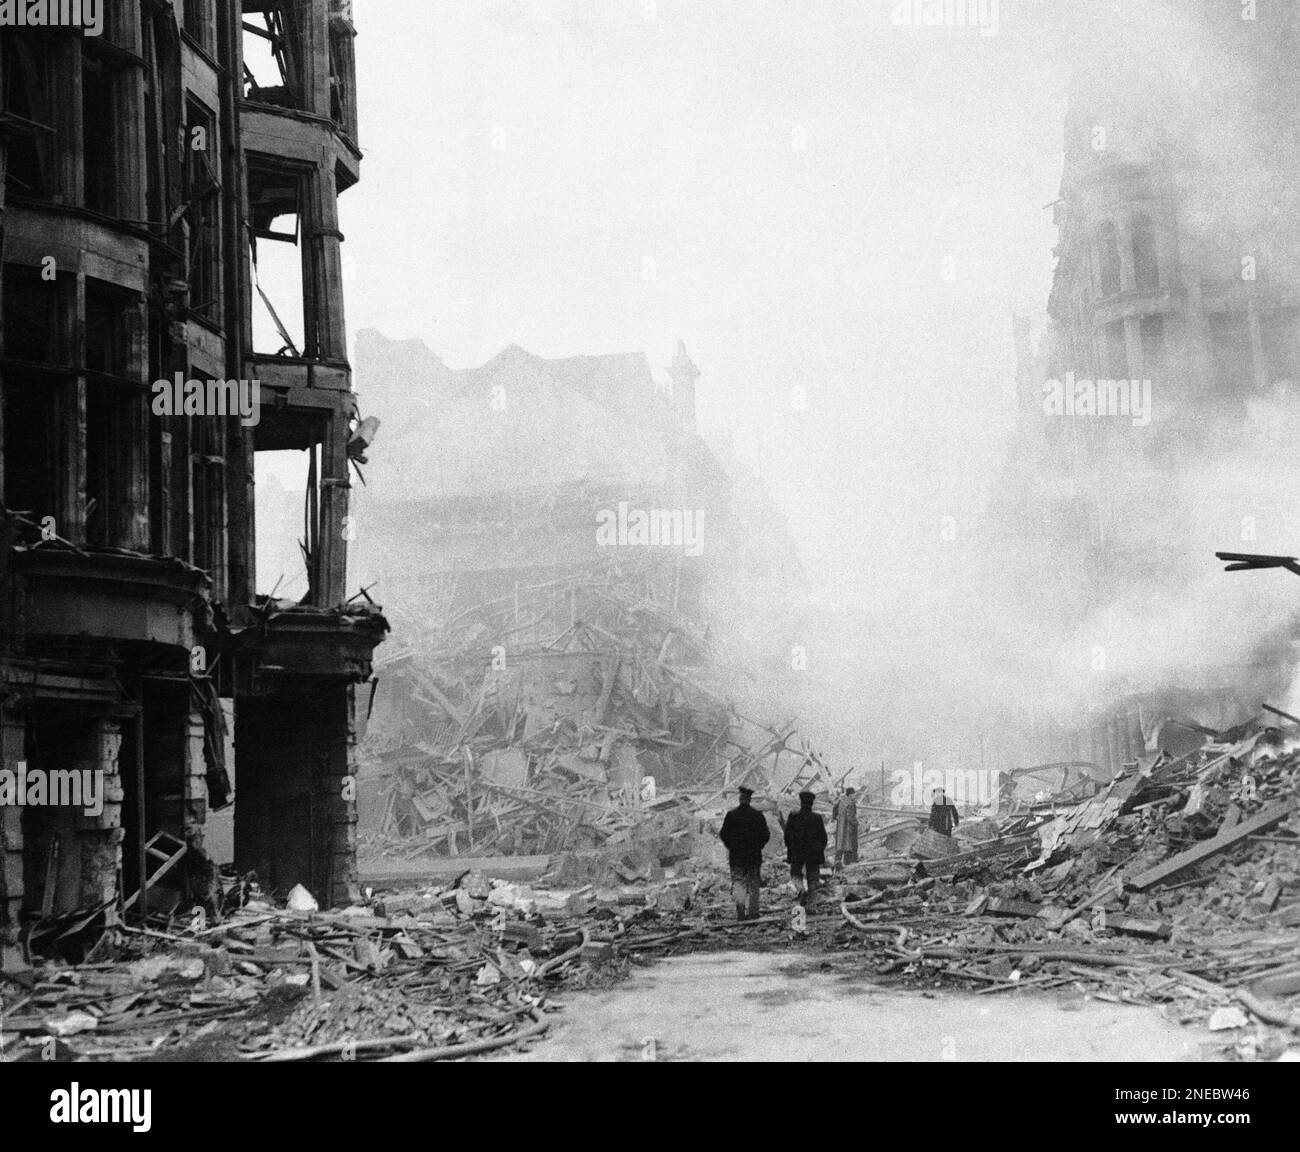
(100, 833)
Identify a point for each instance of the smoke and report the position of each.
(1079, 572)
(843, 212)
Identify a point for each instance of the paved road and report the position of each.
(771, 1006)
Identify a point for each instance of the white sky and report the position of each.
(780, 183)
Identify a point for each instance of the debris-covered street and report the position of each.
(1112, 900)
(647, 531)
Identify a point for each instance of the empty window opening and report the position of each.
(281, 479)
(108, 328)
(111, 413)
(33, 317)
(272, 53)
(275, 201)
(99, 128)
(25, 102)
(343, 107)
(207, 449)
(199, 23)
(110, 420)
(31, 444)
(203, 212)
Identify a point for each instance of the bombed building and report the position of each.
(1172, 347)
(146, 172)
(555, 539)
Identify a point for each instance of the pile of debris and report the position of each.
(1179, 882)
(443, 972)
(564, 716)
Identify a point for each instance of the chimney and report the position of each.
(683, 374)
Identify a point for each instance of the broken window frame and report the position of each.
(27, 112)
(107, 120)
(199, 26)
(207, 445)
(303, 430)
(343, 72)
(202, 193)
(280, 32)
(270, 177)
(41, 378)
(113, 404)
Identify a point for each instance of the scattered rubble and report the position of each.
(1176, 884)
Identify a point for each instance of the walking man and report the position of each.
(805, 848)
(744, 832)
(846, 827)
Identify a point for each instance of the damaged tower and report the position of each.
(1174, 308)
(144, 169)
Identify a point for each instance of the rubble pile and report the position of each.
(552, 720)
(1177, 883)
(444, 972)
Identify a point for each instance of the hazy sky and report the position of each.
(807, 194)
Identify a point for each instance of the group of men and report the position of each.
(745, 833)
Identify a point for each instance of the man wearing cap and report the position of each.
(805, 847)
(744, 832)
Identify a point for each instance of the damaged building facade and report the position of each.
(143, 171)
(559, 572)
(1173, 321)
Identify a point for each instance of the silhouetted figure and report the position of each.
(805, 848)
(943, 815)
(744, 832)
(846, 827)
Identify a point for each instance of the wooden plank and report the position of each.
(1150, 927)
(1025, 909)
(1203, 851)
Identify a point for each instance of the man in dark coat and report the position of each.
(943, 814)
(805, 847)
(744, 832)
